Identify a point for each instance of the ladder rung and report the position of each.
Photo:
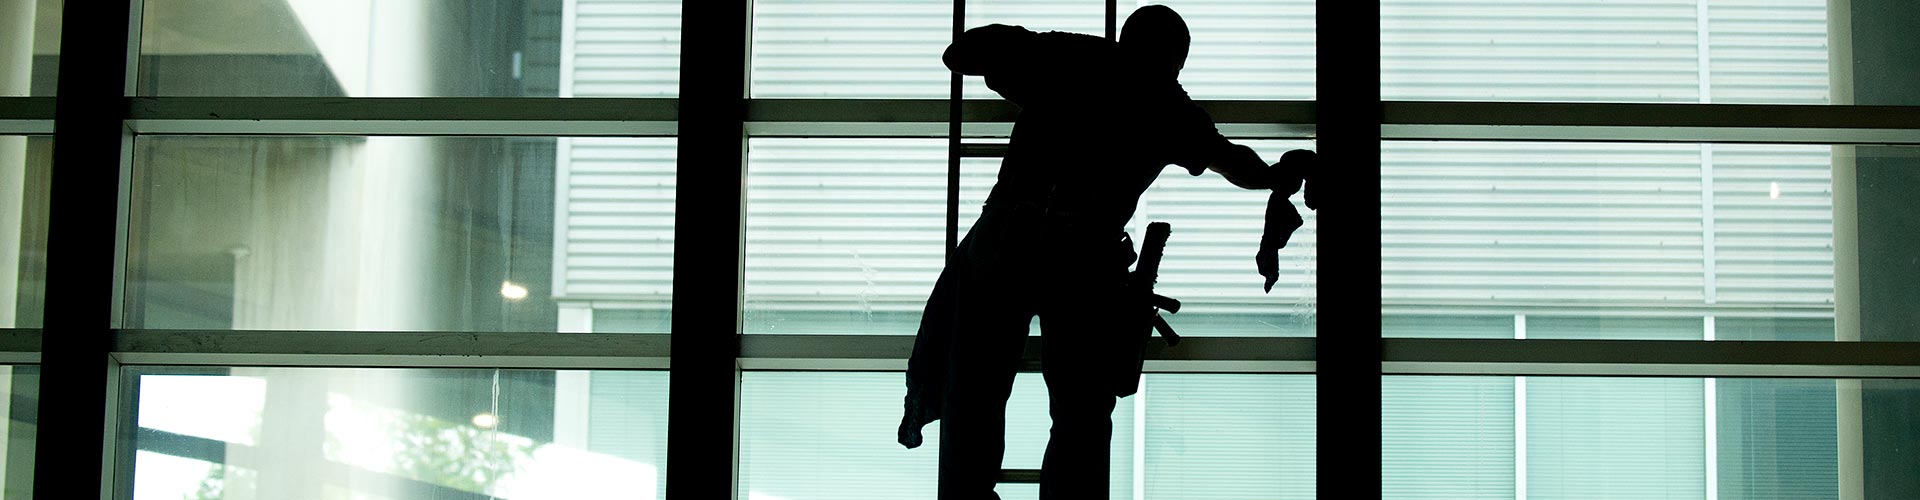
(1019, 476)
(983, 150)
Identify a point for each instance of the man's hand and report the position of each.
(1283, 219)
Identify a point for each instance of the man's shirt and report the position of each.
(1095, 127)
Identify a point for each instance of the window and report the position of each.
(376, 48)
(399, 233)
(398, 249)
(1553, 232)
(1725, 51)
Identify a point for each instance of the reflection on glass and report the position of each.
(820, 436)
(19, 410)
(1667, 438)
(1246, 49)
(1240, 49)
(25, 168)
(380, 433)
(374, 48)
(846, 236)
(29, 47)
(850, 48)
(829, 435)
(841, 49)
(1209, 257)
(1618, 240)
(1719, 51)
(401, 234)
(1228, 436)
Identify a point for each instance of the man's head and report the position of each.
(1156, 36)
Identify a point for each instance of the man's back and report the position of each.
(1095, 126)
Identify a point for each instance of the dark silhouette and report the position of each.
(1098, 122)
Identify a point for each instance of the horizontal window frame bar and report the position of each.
(1683, 135)
(927, 118)
(27, 108)
(432, 128)
(560, 351)
(1650, 122)
(1650, 370)
(876, 118)
(1651, 358)
(430, 109)
(1604, 309)
(1650, 115)
(26, 127)
(20, 346)
(890, 352)
(1402, 356)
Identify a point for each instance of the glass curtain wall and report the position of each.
(362, 231)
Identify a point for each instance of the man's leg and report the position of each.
(985, 356)
(1079, 377)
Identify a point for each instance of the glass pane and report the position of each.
(822, 435)
(29, 47)
(399, 433)
(400, 233)
(25, 169)
(1648, 241)
(1241, 49)
(1209, 256)
(20, 404)
(1725, 51)
(1228, 436)
(848, 48)
(828, 435)
(1246, 49)
(1089, 18)
(1669, 438)
(368, 48)
(846, 236)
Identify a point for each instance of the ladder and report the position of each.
(958, 148)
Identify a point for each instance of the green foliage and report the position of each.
(427, 449)
(455, 455)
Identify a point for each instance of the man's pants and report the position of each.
(1079, 361)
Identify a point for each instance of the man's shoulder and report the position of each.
(1077, 41)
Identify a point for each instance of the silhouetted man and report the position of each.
(1098, 122)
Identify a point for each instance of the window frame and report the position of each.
(86, 355)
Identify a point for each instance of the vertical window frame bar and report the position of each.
(1348, 345)
(956, 103)
(80, 396)
(704, 375)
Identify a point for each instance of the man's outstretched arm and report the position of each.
(987, 50)
(1241, 166)
(1244, 168)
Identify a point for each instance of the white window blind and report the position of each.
(621, 48)
(616, 216)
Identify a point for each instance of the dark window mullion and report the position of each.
(702, 450)
(1348, 351)
(91, 152)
